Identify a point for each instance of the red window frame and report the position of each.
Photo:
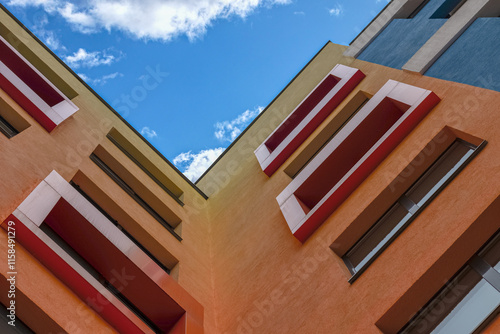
(54, 198)
(356, 150)
(31, 90)
(306, 117)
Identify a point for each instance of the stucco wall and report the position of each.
(266, 281)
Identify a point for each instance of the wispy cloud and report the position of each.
(194, 165)
(152, 19)
(337, 10)
(84, 58)
(49, 5)
(148, 132)
(227, 131)
(102, 80)
(49, 37)
(299, 13)
(79, 20)
(84, 77)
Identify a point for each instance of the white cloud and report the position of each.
(81, 21)
(83, 58)
(49, 37)
(151, 19)
(52, 41)
(84, 77)
(229, 130)
(102, 80)
(337, 10)
(148, 133)
(48, 5)
(299, 13)
(194, 165)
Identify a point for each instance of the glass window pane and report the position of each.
(5, 328)
(378, 236)
(8, 130)
(471, 311)
(439, 173)
(491, 253)
(445, 305)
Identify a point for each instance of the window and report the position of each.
(11, 122)
(8, 130)
(19, 328)
(469, 302)
(418, 9)
(345, 161)
(123, 230)
(408, 206)
(98, 262)
(335, 124)
(124, 145)
(306, 117)
(130, 191)
(447, 9)
(32, 54)
(31, 90)
(45, 227)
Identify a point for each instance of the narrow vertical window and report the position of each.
(6, 328)
(7, 129)
(418, 9)
(469, 302)
(345, 161)
(121, 228)
(408, 206)
(447, 9)
(45, 227)
(128, 189)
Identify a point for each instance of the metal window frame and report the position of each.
(144, 169)
(418, 9)
(106, 169)
(121, 228)
(477, 264)
(92, 271)
(7, 129)
(20, 327)
(411, 207)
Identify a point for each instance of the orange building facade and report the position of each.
(364, 199)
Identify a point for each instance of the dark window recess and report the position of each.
(144, 169)
(8, 130)
(447, 9)
(333, 135)
(469, 302)
(19, 328)
(124, 231)
(92, 271)
(132, 194)
(418, 9)
(409, 206)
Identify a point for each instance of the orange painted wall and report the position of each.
(268, 282)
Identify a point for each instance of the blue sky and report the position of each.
(190, 75)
